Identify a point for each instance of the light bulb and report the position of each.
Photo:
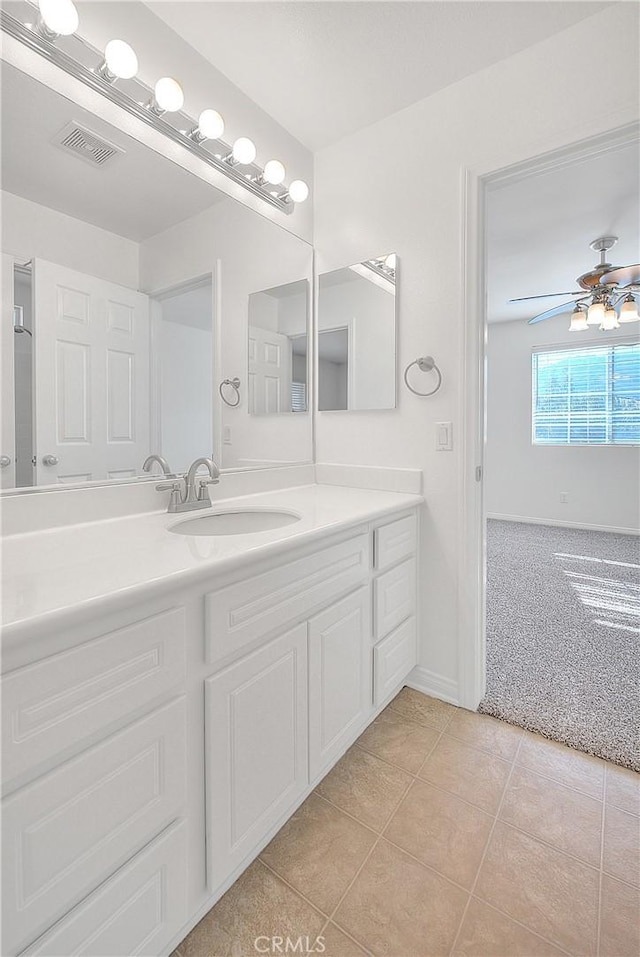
(629, 310)
(120, 59)
(168, 94)
(578, 321)
(210, 125)
(595, 313)
(244, 151)
(298, 191)
(274, 172)
(390, 261)
(60, 17)
(610, 320)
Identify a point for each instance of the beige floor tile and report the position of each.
(365, 786)
(568, 819)
(552, 894)
(318, 852)
(619, 919)
(623, 788)
(259, 904)
(337, 944)
(474, 775)
(482, 731)
(421, 708)
(621, 857)
(563, 764)
(397, 907)
(487, 933)
(442, 831)
(399, 739)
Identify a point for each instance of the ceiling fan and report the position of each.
(606, 297)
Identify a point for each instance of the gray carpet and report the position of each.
(563, 636)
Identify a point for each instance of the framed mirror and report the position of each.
(357, 331)
(125, 287)
(277, 354)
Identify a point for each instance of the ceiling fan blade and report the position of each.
(549, 295)
(625, 276)
(565, 307)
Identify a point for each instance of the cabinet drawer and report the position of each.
(54, 705)
(393, 659)
(395, 597)
(69, 830)
(243, 612)
(395, 541)
(138, 911)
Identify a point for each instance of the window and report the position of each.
(587, 396)
(298, 397)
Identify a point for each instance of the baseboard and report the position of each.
(557, 523)
(421, 679)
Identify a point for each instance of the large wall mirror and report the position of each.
(126, 283)
(277, 349)
(357, 336)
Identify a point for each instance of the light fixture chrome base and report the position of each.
(105, 73)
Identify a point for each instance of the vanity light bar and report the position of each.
(235, 161)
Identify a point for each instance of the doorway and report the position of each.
(512, 488)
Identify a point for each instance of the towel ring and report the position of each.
(425, 364)
(235, 384)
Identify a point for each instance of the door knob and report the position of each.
(5, 461)
(50, 460)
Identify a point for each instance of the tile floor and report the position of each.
(443, 832)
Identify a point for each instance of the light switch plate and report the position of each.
(444, 436)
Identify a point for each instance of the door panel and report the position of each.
(340, 694)
(269, 372)
(7, 416)
(91, 362)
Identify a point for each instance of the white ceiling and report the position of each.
(326, 69)
(136, 196)
(539, 229)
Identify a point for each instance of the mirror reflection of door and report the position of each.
(277, 349)
(333, 369)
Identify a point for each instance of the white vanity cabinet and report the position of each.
(148, 761)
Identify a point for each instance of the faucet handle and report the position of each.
(203, 491)
(165, 486)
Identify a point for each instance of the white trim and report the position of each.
(437, 686)
(561, 523)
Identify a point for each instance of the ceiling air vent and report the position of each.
(86, 145)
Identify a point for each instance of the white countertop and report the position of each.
(62, 576)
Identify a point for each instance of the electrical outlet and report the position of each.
(564, 497)
(444, 436)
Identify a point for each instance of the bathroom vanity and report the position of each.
(169, 699)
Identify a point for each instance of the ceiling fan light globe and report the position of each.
(629, 310)
(595, 314)
(578, 321)
(610, 320)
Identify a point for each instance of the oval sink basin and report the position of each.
(235, 523)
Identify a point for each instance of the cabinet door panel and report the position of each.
(394, 658)
(256, 748)
(395, 597)
(339, 678)
(394, 541)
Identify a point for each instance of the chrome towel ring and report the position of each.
(425, 364)
(235, 385)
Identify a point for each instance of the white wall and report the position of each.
(251, 255)
(399, 185)
(30, 230)
(525, 480)
(186, 422)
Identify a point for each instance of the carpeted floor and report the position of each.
(563, 636)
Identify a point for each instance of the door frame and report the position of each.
(472, 547)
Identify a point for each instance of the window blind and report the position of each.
(298, 397)
(589, 395)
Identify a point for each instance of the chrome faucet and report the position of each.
(186, 492)
(150, 459)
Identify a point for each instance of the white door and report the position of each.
(7, 408)
(91, 369)
(340, 683)
(269, 371)
(256, 748)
